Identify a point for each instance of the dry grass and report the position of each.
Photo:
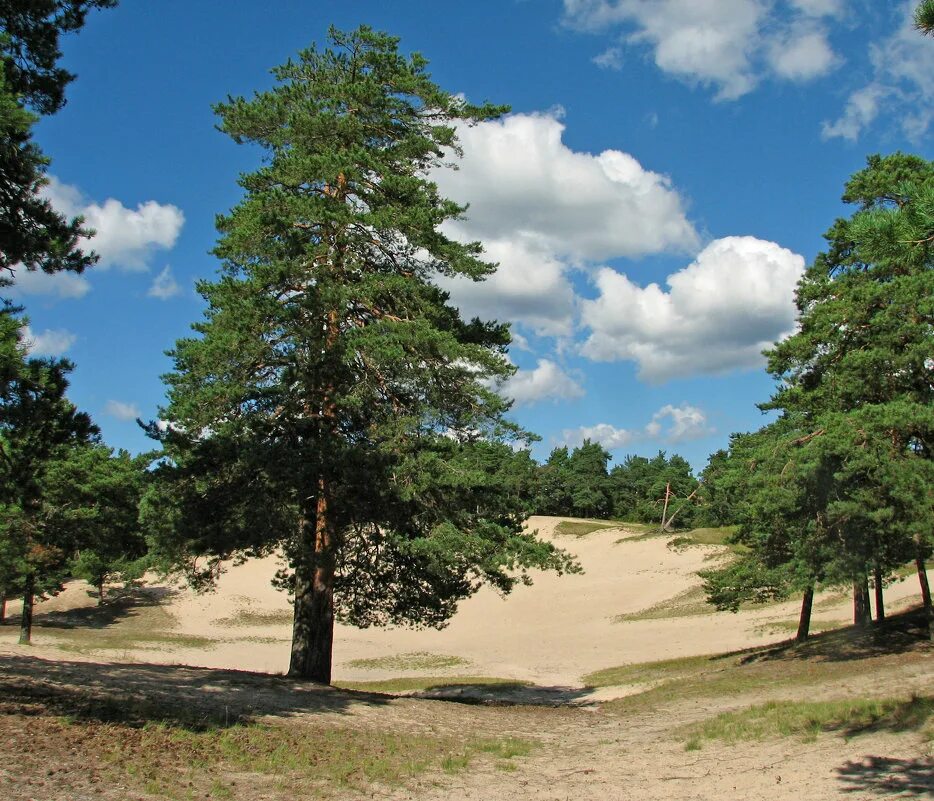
(417, 660)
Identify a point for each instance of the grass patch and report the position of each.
(417, 660)
(248, 617)
(691, 602)
(827, 657)
(808, 719)
(405, 684)
(576, 528)
(314, 760)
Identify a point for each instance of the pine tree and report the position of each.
(333, 403)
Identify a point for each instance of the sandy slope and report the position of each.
(551, 633)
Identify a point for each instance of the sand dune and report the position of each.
(552, 633)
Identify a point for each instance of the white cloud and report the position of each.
(610, 59)
(50, 342)
(530, 286)
(801, 54)
(901, 84)
(603, 434)
(718, 313)
(123, 237)
(164, 285)
(61, 285)
(540, 209)
(716, 43)
(546, 382)
(862, 108)
(686, 423)
(122, 411)
(526, 185)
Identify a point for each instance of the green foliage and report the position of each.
(333, 403)
(840, 484)
(29, 47)
(924, 17)
(638, 485)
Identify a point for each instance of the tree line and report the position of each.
(334, 407)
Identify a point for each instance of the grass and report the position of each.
(575, 528)
(807, 719)
(315, 760)
(417, 660)
(405, 684)
(143, 628)
(827, 657)
(691, 602)
(247, 617)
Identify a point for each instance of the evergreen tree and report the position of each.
(333, 403)
(589, 488)
(39, 427)
(860, 371)
(924, 17)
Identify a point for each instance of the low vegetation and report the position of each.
(418, 660)
(409, 684)
(581, 528)
(807, 719)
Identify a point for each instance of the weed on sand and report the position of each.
(581, 528)
(417, 660)
(808, 719)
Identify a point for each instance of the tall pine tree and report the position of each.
(334, 404)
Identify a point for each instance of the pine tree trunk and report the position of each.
(25, 630)
(880, 601)
(862, 614)
(804, 621)
(313, 621)
(2, 609)
(923, 579)
(100, 592)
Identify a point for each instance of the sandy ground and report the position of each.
(551, 634)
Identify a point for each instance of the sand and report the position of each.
(552, 633)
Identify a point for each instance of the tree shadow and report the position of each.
(119, 605)
(137, 694)
(888, 776)
(506, 694)
(900, 633)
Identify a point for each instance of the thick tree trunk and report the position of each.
(862, 614)
(313, 621)
(923, 579)
(804, 621)
(25, 630)
(880, 601)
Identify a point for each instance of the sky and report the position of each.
(665, 175)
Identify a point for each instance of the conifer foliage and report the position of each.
(333, 403)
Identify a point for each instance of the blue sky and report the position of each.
(668, 169)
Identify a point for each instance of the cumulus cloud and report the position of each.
(526, 185)
(670, 424)
(546, 382)
(124, 237)
(603, 434)
(801, 53)
(717, 314)
(541, 209)
(50, 342)
(717, 43)
(610, 59)
(678, 423)
(901, 85)
(164, 285)
(58, 285)
(121, 410)
(530, 286)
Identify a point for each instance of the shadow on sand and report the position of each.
(886, 776)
